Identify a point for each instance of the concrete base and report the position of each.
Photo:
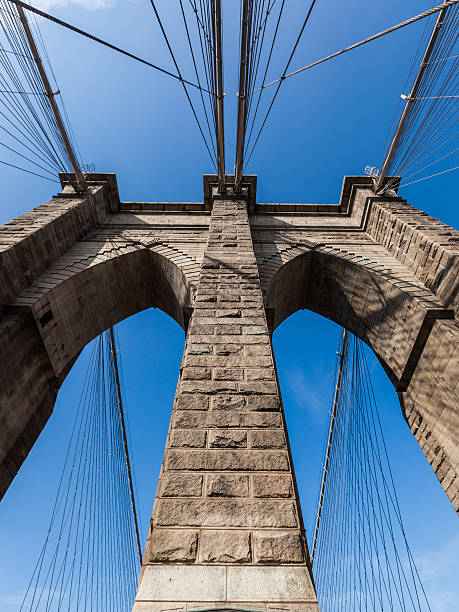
(186, 587)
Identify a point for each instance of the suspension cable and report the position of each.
(73, 28)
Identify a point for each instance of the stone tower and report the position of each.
(227, 525)
(226, 528)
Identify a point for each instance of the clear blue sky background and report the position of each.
(329, 122)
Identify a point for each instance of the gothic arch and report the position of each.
(45, 331)
(404, 324)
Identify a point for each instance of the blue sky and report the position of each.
(331, 121)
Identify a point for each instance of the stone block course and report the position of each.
(272, 485)
(173, 546)
(225, 547)
(227, 438)
(220, 460)
(278, 547)
(212, 512)
(191, 438)
(181, 485)
(227, 485)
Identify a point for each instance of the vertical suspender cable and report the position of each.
(409, 101)
(80, 182)
(342, 356)
(242, 104)
(126, 450)
(219, 116)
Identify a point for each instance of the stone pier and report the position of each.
(227, 526)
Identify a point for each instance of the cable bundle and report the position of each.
(89, 560)
(428, 143)
(362, 560)
(28, 129)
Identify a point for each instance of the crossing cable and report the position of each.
(80, 181)
(125, 444)
(90, 560)
(197, 72)
(242, 96)
(431, 112)
(362, 560)
(261, 90)
(369, 39)
(410, 99)
(183, 82)
(20, 110)
(100, 41)
(414, 19)
(283, 77)
(329, 442)
(219, 98)
(32, 120)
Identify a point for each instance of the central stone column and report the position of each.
(226, 528)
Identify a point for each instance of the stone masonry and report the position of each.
(226, 526)
(226, 512)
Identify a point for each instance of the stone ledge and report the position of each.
(214, 584)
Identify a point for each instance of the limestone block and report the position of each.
(173, 545)
(228, 438)
(263, 403)
(225, 547)
(224, 330)
(272, 485)
(190, 438)
(189, 373)
(259, 373)
(255, 583)
(199, 349)
(182, 583)
(228, 349)
(192, 401)
(181, 485)
(267, 439)
(228, 402)
(255, 330)
(233, 313)
(227, 485)
(278, 547)
(210, 512)
(227, 374)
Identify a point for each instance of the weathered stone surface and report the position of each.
(228, 374)
(181, 485)
(191, 438)
(228, 438)
(224, 513)
(272, 485)
(380, 268)
(228, 402)
(259, 373)
(225, 547)
(227, 485)
(172, 545)
(273, 584)
(278, 547)
(267, 439)
(189, 373)
(219, 460)
(192, 401)
(194, 418)
(263, 403)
